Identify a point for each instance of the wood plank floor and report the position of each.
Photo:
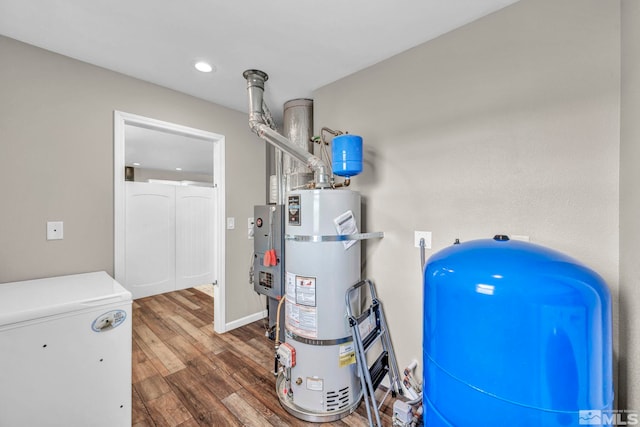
(184, 374)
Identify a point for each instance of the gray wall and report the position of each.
(630, 208)
(56, 163)
(508, 125)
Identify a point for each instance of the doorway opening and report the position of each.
(178, 171)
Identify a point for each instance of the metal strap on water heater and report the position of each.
(335, 237)
(312, 341)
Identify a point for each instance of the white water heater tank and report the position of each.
(323, 385)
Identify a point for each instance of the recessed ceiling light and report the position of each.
(178, 169)
(136, 164)
(204, 67)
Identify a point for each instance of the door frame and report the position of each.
(120, 119)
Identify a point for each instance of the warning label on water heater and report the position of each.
(302, 321)
(306, 291)
(347, 355)
(301, 289)
(301, 314)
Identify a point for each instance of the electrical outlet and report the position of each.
(426, 235)
(55, 230)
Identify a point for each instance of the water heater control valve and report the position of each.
(286, 355)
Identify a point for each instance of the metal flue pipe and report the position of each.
(255, 90)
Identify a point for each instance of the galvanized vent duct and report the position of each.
(298, 128)
(258, 124)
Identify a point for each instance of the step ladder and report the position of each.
(369, 327)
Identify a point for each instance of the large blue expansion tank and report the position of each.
(515, 334)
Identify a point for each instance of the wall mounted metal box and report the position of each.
(268, 235)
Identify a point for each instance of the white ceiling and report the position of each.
(301, 44)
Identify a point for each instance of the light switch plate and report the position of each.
(250, 223)
(55, 230)
(231, 223)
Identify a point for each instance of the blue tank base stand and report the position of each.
(433, 418)
(511, 415)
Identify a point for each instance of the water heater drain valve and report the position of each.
(286, 355)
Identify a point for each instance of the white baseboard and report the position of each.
(245, 320)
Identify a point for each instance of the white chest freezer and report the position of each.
(65, 352)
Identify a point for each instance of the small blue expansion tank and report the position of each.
(346, 155)
(515, 334)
